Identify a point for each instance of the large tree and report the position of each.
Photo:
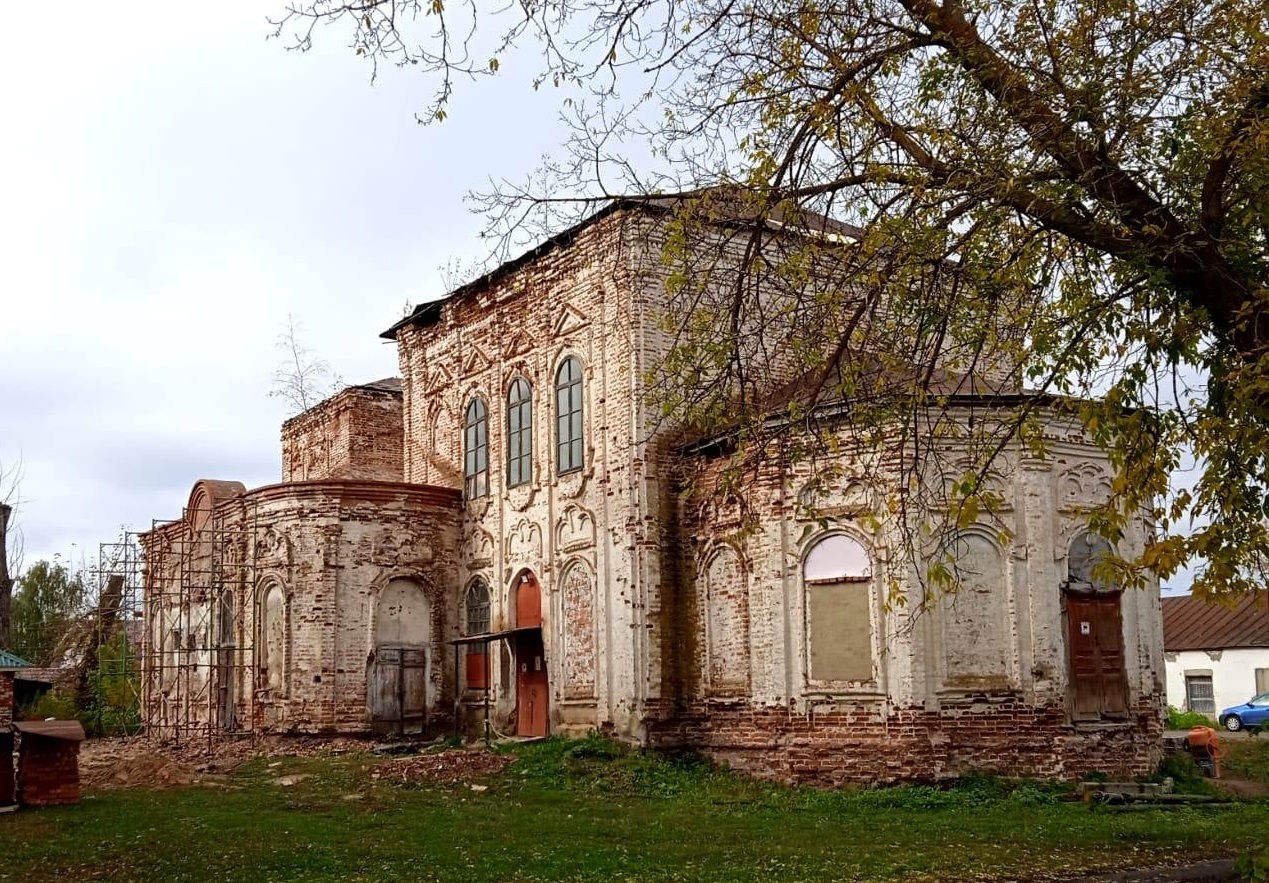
(1071, 197)
(48, 599)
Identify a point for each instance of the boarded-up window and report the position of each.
(578, 590)
(975, 638)
(273, 638)
(837, 574)
(727, 622)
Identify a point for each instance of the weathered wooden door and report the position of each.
(1099, 681)
(397, 690)
(531, 686)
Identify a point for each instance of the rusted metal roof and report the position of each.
(723, 206)
(387, 384)
(67, 731)
(1194, 624)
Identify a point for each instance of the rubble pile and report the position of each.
(456, 765)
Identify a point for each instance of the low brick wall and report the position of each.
(863, 746)
(48, 771)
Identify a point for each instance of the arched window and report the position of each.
(837, 575)
(272, 652)
(568, 416)
(519, 433)
(477, 610)
(976, 641)
(1088, 550)
(476, 450)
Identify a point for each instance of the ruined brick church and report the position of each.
(496, 540)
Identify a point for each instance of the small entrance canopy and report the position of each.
(483, 638)
(488, 637)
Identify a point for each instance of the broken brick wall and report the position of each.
(6, 700)
(977, 679)
(284, 640)
(355, 434)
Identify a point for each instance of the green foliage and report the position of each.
(1253, 866)
(1186, 775)
(1246, 759)
(54, 704)
(1068, 197)
(341, 823)
(1184, 720)
(115, 687)
(47, 599)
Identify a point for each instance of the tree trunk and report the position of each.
(93, 638)
(6, 581)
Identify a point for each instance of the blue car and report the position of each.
(1252, 713)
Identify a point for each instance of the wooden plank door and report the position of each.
(1098, 680)
(383, 694)
(413, 681)
(532, 686)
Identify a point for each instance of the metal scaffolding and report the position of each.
(114, 636)
(200, 580)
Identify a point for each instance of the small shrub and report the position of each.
(1184, 720)
(1187, 776)
(1253, 866)
(54, 704)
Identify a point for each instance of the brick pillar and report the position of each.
(6, 769)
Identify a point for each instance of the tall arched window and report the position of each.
(477, 610)
(568, 416)
(519, 432)
(476, 450)
(272, 653)
(1088, 550)
(837, 575)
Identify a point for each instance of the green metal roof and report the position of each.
(8, 660)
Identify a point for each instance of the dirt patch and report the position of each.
(141, 763)
(1242, 788)
(457, 765)
(105, 764)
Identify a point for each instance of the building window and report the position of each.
(476, 450)
(1084, 571)
(272, 655)
(519, 433)
(1198, 694)
(568, 416)
(1262, 681)
(837, 576)
(477, 604)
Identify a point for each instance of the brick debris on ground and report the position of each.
(458, 765)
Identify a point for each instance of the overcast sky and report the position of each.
(172, 186)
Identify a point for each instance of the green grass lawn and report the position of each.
(584, 811)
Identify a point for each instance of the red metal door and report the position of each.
(1094, 631)
(531, 686)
